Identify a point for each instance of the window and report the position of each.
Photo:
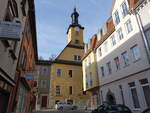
(106, 46)
(43, 83)
(100, 52)
(23, 3)
(57, 90)
(89, 60)
(77, 41)
(117, 62)
(120, 34)
(102, 71)
(87, 84)
(128, 26)
(146, 90)
(125, 58)
(124, 9)
(70, 73)
(77, 58)
(135, 53)
(109, 67)
(70, 90)
(91, 81)
(44, 71)
(121, 93)
(58, 72)
(113, 41)
(23, 59)
(86, 63)
(117, 18)
(134, 95)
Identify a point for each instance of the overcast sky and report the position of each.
(53, 19)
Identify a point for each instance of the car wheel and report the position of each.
(74, 108)
(61, 108)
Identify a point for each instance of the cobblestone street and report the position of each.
(69, 111)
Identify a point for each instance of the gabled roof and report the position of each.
(70, 46)
(92, 42)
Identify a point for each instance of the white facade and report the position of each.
(128, 61)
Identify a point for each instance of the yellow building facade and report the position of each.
(90, 75)
(66, 83)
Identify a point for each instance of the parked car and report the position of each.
(65, 106)
(112, 109)
(146, 110)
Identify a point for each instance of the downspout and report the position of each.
(146, 45)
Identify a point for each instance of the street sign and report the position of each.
(10, 30)
(29, 76)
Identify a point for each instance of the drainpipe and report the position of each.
(146, 45)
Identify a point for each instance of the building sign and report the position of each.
(29, 76)
(10, 30)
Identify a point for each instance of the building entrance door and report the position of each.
(4, 98)
(44, 102)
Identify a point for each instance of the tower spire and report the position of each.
(74, 17)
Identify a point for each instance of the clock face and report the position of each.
(77, 28)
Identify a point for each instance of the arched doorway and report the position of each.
(110, 98)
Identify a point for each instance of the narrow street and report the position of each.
(69, 111)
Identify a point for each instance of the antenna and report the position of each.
(75, 3)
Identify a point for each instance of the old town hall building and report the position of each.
(66, 70)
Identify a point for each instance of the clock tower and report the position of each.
(75, 30)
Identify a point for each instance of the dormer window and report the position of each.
(124, 9)
(117, 18)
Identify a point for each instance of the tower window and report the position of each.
(57, 90)
(77, 41)
(77, 58)
(58, 72)
(70, 90)
(70, 73)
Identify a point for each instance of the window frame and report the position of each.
(102, 71)
(125, 60)
(120, 34)
(109, 68)
(58, 90)
(124, 12)
(58, 72)
(128, 26)
(116, 17)
(133, 101)
(142, 86)
(118, 66)
(134, 57)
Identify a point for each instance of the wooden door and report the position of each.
(44, 102)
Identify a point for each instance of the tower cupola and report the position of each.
(74, 17)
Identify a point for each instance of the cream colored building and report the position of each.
(123, 62)
(90, 75)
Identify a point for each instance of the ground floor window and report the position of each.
(69, 101)
(134, 95)
(146, 90)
